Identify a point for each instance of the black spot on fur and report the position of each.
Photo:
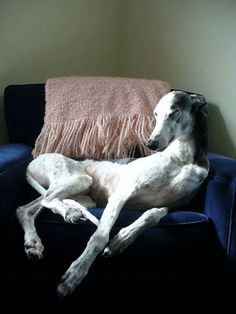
(200, 135)
(181, 100)
(199, 109)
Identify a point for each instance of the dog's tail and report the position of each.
(38, 187)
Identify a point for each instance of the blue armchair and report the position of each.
(185, 264)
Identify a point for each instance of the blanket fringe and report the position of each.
(103, 137)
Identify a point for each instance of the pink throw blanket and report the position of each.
(98, 117)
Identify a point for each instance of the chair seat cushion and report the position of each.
(185, 237)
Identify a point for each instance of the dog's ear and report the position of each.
(199, 104)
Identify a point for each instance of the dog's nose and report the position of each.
(152, 144)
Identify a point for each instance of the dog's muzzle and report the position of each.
(153, 145)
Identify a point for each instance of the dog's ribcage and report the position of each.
(159, 179)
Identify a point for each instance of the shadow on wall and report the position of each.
(3, 130)
(220, 140)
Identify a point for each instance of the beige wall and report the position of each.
(192, 45)
(189, 43)
(47, 38)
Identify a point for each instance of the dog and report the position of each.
(166, 179)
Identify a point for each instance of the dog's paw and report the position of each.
(63, 289)
(163, 211)
(116, 246)
(111, 251)
(70, 280)
(34, 248)
(77, 208)
(107, 252)
(74, 216)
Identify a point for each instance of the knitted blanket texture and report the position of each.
(98, 117)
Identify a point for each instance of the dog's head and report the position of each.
(175, 115)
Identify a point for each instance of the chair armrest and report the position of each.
(220, 202)
(14, 159)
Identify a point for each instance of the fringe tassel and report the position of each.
(104, 137)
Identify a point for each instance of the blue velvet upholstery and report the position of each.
(14, 159)
(181, 262)
(220, 202)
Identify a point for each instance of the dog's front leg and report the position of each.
(128, 235)
(80, 267)
(26, 216)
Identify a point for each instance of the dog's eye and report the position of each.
(155, 114)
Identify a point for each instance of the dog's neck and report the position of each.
(181, 149)
(186, 149)
(192, 144)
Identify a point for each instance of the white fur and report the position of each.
(152, 184)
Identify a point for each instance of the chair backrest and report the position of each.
(24, 107)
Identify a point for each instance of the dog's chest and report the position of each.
(154, 183)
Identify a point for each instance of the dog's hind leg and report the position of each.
(128, 235)
(69, 187)
(71, 210)
(26, 216)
